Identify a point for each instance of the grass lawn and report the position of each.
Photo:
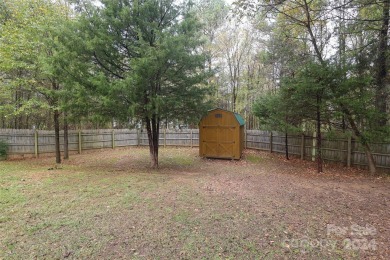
(110, 205)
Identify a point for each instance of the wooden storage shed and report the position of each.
(221, 134)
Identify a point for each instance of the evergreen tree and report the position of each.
(146, 60)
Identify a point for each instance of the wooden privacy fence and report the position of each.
(31, 142)
(344, 150)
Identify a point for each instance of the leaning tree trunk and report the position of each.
(366, 146)
(153, 128)
(370, 159)
(57, 135)
(358, 134)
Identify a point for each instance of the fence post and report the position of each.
(302, 146)
(36, 143)
(313, 151)
(245, 138)
(349, 152)
(270, 142)
(80, 142)
(113, 139)
(138, 137)
(165, 137)
(192, 140)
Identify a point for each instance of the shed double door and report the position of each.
(219, 141)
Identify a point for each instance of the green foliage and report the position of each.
(3, 148)
(274, 113)
(337, 96)
(30, 52)
(297, 100)
(147, 60)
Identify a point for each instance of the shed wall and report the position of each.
(220, 135)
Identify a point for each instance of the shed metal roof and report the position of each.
(239, 118)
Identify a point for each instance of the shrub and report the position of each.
(3, 148)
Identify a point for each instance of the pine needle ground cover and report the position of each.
(109, 204)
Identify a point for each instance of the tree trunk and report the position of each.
(57, 135)
(66, 139)
(367, 149)
(17, 107)
(370, 159)
(381, 94)
(319, 136)
(312, 39)
(153, 128)
(234, 96)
